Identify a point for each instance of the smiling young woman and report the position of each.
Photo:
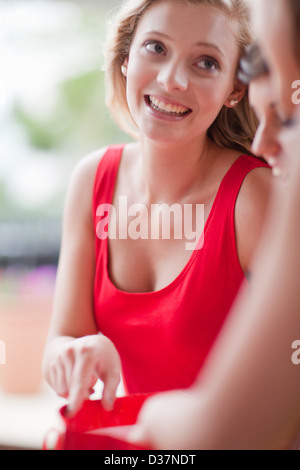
(234, 126)
(171, 69)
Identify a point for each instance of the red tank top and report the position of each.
(163, 337)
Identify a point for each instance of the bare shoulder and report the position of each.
(256, 189)
(85, 169)
(81, 183)
(251, 212)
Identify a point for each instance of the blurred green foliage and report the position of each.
(79, 117)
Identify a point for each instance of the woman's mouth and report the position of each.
(170, 109)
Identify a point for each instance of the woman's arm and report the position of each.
(76, 355)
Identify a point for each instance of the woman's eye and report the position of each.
(208, 63)
(155, 47)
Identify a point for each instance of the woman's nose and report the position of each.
(173, 77)
(265, 142)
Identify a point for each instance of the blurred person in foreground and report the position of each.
(247, 395)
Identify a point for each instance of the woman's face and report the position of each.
(266, 140)
(274, 28)
(181, 70)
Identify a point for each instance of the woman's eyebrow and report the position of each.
(214, 46)
(201, 43)
(159, 33)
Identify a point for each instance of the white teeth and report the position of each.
(167, 107)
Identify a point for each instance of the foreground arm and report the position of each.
(76, 355)
(247, 396)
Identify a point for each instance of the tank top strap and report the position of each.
(230, 186)
(234, 178)
(106, 174)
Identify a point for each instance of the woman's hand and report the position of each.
(168, 421)
(79, 364)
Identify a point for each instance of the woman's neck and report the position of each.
(171, 173)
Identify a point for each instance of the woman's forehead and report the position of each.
(188, 23)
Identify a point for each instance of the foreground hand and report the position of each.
(79, 365)
(168, 421)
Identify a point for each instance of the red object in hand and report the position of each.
(94, 428)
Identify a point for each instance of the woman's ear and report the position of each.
(236, 95)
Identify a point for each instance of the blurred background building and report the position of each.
(52, 113)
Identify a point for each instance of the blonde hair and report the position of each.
(233, 128)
